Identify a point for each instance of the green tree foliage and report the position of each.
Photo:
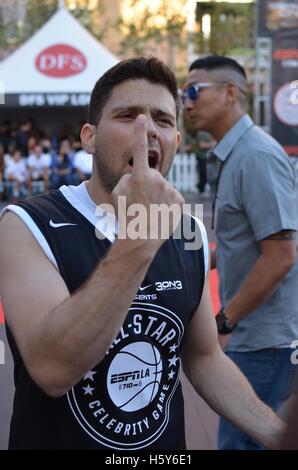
(91, 18)
(232, 28)
(37, 12)
(2, 29)
(165, 26)
(21, 23)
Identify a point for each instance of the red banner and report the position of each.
(1, 315)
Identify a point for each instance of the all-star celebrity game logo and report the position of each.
(130, 408)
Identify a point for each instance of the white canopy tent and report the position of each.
(57, 67)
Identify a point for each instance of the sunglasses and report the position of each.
(192, 92)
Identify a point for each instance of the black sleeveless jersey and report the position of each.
(132, 399)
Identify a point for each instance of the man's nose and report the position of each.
(188, 103)
(151, 127)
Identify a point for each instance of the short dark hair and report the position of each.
(213, 62)
(147, 68)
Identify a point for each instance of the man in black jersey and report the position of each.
(98, 324)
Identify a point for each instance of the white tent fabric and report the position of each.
(62, 46)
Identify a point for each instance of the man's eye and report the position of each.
(126, 115)
(165, 121)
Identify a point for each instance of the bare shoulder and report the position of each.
(30, 285)
(8, 220)
(18, 247)
(15, 240)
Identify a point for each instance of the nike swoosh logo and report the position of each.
(53, 224)
(145, 287)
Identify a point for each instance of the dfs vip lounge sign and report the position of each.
(58, 61)
(278, 20)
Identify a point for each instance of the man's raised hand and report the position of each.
(145, 190)
(140, 147)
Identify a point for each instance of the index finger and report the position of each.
(140, 145)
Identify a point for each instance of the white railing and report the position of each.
(183, 174)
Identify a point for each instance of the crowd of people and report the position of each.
(32, 163)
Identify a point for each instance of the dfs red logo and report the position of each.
(60, 60)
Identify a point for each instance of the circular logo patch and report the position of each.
(125, 401)
(60, 61)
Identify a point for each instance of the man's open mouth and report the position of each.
(152, 159)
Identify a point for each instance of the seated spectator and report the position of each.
(22, 135)
(38, 164)
(17, 176)
(76, 143)
(46, 145)
(83, 166)
(62, 166)
(5, 131)
(32, 142)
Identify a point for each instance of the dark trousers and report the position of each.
(271, 373)
(202, 170)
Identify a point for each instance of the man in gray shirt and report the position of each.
(255, 219)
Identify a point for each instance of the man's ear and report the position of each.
(178, 139)
(88, 133)
(232, 93)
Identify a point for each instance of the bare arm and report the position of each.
(278, 255)
(222, 385)
(212, 258)
(60, 337)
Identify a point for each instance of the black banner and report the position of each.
(147, 459)
(284, 124)
(44, 100)
(275, 16)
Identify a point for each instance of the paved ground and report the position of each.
(201, 421)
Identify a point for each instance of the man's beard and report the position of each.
(108, 178)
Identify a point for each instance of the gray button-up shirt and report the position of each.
(256, 197)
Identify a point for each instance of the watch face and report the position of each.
(220, 319)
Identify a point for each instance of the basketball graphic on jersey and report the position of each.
(134, 376)
(125, 402)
